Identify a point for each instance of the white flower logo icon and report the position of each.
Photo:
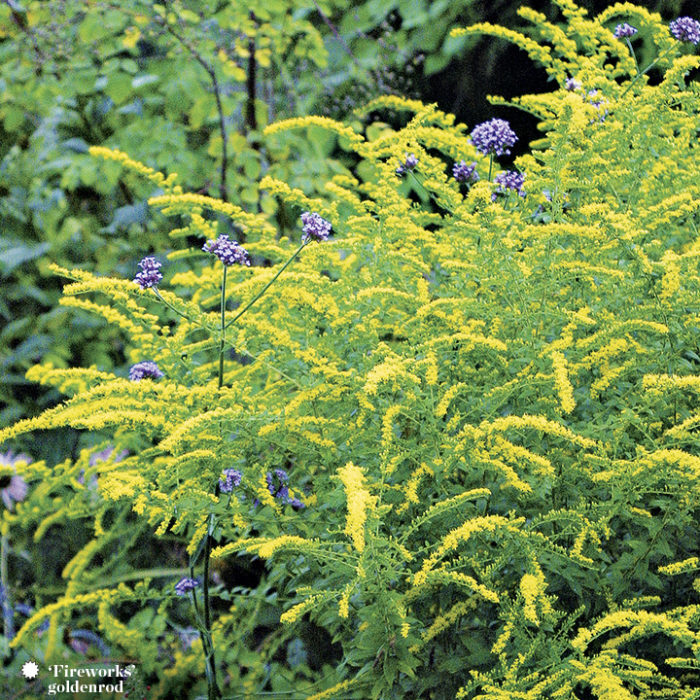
(30, 670)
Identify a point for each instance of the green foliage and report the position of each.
(485, 406)
(174, 88)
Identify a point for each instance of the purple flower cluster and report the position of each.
(465, 173)
(188, 636)
(150, 274)
(13, 488)
(409, 163)
(144, 370)
(185, 585)
(686, 29)
(82, 640)
(315, 226)
(572, 84)
(97, 457)
(509, 180)
(231, 479)
(624, 31)
(277, 485)
(104, 455)
(494, 137)
(228, 251)
(593, 98)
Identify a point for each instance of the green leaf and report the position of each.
(14, 118)
(14, 254)
(119, 87)
(93, 28)
(144, 79)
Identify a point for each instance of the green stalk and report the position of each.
(646, 70)
(629, 43)
(204, 624)
(213, 692)
(223, 329)
(213, 687)
(490, 165)
(170, 306)
(267, 286)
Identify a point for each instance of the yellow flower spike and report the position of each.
(344, 603)
(337, 691)
(531, 589)
(294, 613)
(123, 159)
(680, 567)
(268, 548)
(562, 383)
(68, 603)
(671, 280)
(324, 122)
(359, 502)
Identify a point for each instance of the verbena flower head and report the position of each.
(23, 609)
(13, 488)
(686, 29)
(277, 485)
(150, 274)
(493, 137)
(188, 636)
(596, 100)
(572, 84)
(82, 640)
(144, 370)
(315, 226)
(624, 31)
(509, 180)
(465, 173)
(185, 585)
(228, 251)
(409, 163)
(231, 479)
(104, 455)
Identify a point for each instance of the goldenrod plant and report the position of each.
(455, 414)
